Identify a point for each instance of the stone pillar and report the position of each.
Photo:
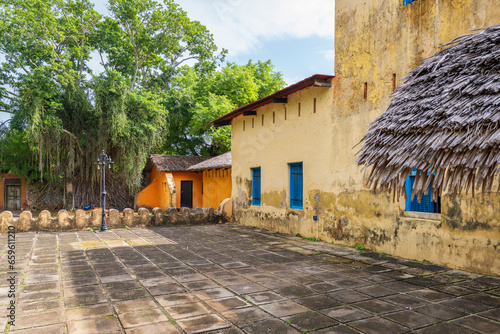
(114, 220)
(45, 221)
(64, 221)
(25, 222)
(6, 220)
(144, 217)
(81, 221)
(159, 216)
(128, 217)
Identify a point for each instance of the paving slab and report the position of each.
(205, 323)
(378, 326)
(346, 313)
(270, 326)
(310, 321)
(479, 324)
(140, 318)
(210, 279)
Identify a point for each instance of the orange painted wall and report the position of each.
(156, 194)
(197, 179)
(216, 187)
(24, 199)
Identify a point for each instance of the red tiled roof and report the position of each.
(226, 119)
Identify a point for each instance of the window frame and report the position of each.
(426, 205)
(296, 187)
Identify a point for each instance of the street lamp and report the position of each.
(104, 160)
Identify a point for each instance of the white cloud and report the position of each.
(241, 25)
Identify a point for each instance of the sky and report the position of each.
(296, 35)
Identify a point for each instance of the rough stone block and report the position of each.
(46, 223)
(144, 217)
(64, 221)
(114, 219)
(212, 216)
(173, 216)
(226, 208)
(81, 220)
(185, 215)
(6, 220)
(128, 217)
(159, 216)
(24, 223)
(95, 219)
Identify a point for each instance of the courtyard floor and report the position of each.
(232, 279)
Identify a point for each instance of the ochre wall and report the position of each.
(197, 179)
(216, 187)
(374, 40)
(156, 194)
(24, 199)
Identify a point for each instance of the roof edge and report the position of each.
(307, 82)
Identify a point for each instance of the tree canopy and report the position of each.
(159, 88)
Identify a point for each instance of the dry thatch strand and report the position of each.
(443, 120)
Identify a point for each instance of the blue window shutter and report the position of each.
(426, 204)
(256, 186)
(296, 185)
(407, 2)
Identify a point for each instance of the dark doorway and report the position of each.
(186, 194)
(12, 195)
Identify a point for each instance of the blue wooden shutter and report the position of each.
(407, 2)
(256, 186)
(296, 187)
(426, 204)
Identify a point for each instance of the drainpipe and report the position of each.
(316, 218)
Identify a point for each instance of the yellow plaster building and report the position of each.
(293, 156)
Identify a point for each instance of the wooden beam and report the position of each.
(280, 100)
(250, 113)
(322, 83)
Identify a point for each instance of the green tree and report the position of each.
(194, 103)
(66, 114)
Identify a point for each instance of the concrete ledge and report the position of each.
(86, 220)
(422, 215)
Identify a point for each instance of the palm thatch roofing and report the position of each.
(443, 121)
(221, 161)
(172, 163)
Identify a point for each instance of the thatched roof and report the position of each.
(444, 119)
(172, 163)
(221, 161)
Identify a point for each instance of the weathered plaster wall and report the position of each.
(271, 140)
(157, 193)
(376, 42)
(160, 191)
(216, 186)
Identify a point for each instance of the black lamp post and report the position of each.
(104, 160)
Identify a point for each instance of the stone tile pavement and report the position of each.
(232, 279)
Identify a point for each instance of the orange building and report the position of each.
(169, 184)
(216, 179)
(13, 192)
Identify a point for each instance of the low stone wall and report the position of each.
(85, 220)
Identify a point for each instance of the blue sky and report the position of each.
(296, 35)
